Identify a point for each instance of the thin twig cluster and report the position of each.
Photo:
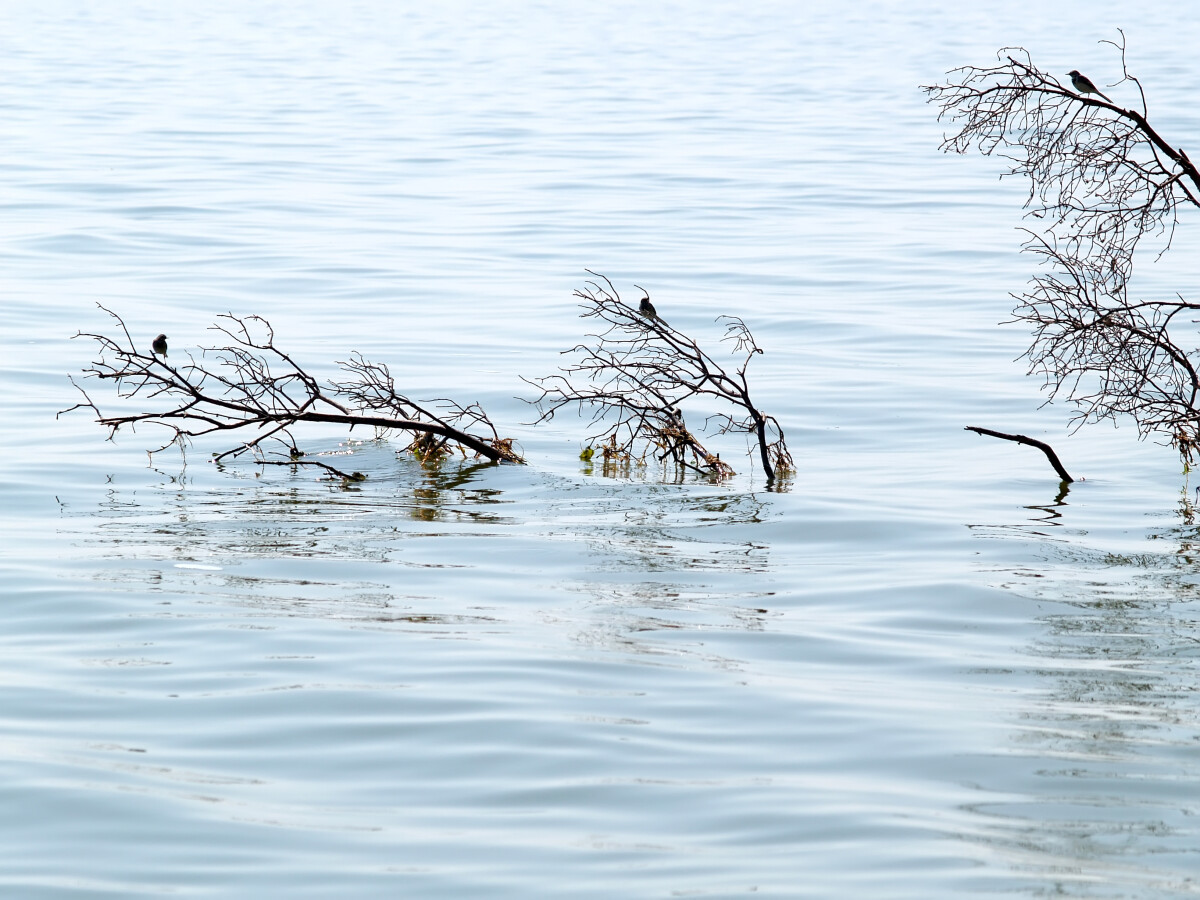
(638, 373)
(1099, 175)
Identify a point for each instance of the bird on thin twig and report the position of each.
(160, 345)
(646, 308)
(1084, 85)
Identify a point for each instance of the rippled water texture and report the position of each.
(919, 670)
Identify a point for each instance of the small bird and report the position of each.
(646, 308)
(1084, 85)
(160, 345)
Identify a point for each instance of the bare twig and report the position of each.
(345, 476)
(1063, 475)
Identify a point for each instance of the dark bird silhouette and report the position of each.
(1084, 85)
(646, 308)
(160, 345)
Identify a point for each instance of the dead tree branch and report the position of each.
(1063, 475)
(1101, 179)
(638, 372)
(1100, 175)
(249, 384)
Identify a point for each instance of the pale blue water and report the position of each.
(917, 672)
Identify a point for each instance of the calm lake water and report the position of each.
(919, 670)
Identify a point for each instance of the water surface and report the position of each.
(920, 670)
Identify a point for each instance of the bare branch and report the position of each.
(637, 373)
(1063, 475)
(347, 477)
(1101, 178)
(250, 384)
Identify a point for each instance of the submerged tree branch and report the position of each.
(1101, 179)
(1063, 475)
(250, 384)
(638, 373)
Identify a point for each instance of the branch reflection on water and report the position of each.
(1104, 711)
(448, 543)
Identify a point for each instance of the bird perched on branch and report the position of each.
(1084, 85)
(160, 345)
(646, 308)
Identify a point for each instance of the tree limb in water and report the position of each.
(1063, 475)
(638, 373)
(1101, 180)
(248, 383)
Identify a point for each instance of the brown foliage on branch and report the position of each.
(1101, 178)
(638, 373)
(250, 384)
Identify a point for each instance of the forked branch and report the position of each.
(1100, 176)
(249, 384)
(638, 373)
